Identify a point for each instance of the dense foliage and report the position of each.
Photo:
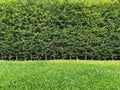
(32, 30)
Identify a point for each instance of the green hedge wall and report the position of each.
(43, 31)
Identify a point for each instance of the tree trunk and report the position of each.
(16, 56)
(70, 57)
(9, 57)
(46, 56)
(62, 57)
(105, 58)
(112, 57)
(31, 57)
(91, 57)
(76, 57)
(53, 57)
(85, 54)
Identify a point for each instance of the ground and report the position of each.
(60, 75)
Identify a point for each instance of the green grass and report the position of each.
(88, 2)
(7, 1)
(60, 75)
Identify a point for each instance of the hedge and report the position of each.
(41, 31)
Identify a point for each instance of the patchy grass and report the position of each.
(59, 75)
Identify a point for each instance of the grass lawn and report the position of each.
(89, 2)
(59, 75)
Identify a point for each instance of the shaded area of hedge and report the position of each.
(59, 31)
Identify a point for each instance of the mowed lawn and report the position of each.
(60, 75)
(91, 2)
